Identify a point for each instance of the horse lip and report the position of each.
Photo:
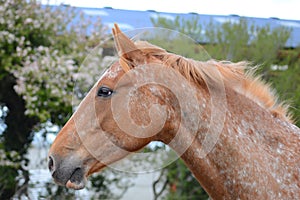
(56, 180)
(94, 168)
(77, 179)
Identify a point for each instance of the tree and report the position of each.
(262, 46)
(41, 50)
(182, 185)
(286, 80)
(192, 28)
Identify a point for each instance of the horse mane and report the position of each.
(238, 76)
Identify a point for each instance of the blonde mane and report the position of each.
(238, 76)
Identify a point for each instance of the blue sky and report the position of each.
(283, 9)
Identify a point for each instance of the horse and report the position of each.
(225, 123)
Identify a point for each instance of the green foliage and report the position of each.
(188, 27)
(231, 40)
(7, 181)
(100, 185)
(183, 185)
(182, 46)
(57, 192)
(287, 81)
(267, 43)
(41, 47)
(41, 50)
(185, 42)
(242, 41)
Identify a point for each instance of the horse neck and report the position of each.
(250, 156)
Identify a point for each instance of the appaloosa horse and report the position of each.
(226, 124)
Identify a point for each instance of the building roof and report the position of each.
(129, 20)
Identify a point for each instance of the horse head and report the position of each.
(120, 114)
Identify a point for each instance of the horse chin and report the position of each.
(97, 167)
(77, 180)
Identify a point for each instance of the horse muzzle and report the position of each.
(67, 172)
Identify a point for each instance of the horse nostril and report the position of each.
(51, 164)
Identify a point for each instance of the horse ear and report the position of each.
(130, 55)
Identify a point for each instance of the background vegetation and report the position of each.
(40, 54)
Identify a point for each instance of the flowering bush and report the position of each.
(41, 51)
(45, 82)
(43, 48)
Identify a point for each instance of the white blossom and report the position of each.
(28, 21)
(47, 72)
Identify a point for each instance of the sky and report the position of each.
(283, 9)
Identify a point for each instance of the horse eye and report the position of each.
(104, 92)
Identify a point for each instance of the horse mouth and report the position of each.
(77, 180)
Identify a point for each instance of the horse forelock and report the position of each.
(238, 76)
